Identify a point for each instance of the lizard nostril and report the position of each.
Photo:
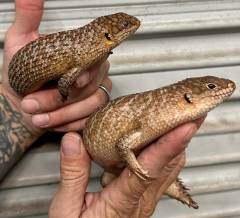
(232, 85)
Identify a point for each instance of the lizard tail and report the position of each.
(178, 191)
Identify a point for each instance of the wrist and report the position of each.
(24, 119)
(15, 135)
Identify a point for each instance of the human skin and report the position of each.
(127, 195)
(23, 120)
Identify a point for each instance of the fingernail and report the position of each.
(30, 106)
(71, 144)
(41, 120)
(102, 71)
(83, 79)
(190, 132)
(200, 120)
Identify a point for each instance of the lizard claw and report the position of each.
(142, 174)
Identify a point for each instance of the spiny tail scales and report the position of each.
(178, 191)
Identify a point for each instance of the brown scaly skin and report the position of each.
(178, 191)
(116, 133)
(66, 54)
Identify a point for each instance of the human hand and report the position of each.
(44, 109)
(126, 196)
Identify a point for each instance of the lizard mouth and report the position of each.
(226, 92)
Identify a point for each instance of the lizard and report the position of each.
(64, 55)
(116, 133)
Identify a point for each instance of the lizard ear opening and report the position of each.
(109, 40)
(188, 98)
(108, 37)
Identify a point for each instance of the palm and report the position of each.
(126, 196)
(13, 43)
(24, 30)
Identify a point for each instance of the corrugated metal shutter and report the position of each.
(178, 38)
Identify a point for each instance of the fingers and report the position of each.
(28, 15)
(72, 126)
(80, 123)
(94, 77)
(72, 112)
(75, 170)
(48, 110)
(50, 99)
(154, 158)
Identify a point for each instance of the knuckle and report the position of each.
(147, 210)
(72, 175)
(170, 166)
(100, 97)
(176, 164)
(83, 79)
(182, 161)
(107, 65)
(108, 83)
(93, 87)
(58, 117)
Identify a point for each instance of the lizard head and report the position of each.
(115, 28)
(198, 95)
(119, 27)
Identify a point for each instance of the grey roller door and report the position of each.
(177, 39)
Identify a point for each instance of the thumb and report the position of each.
(75, 170)
(28, 15)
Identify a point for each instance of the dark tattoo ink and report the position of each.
(12, 134)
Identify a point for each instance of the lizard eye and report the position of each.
(188, 98)
(107, 35)
(125, 24)
(211, 86)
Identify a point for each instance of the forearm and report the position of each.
(15, 138)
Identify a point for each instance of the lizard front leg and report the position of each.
(67, 80)
(125, 147)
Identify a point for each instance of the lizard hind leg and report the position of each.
(67, 80)
(109, 176)
(178, 191)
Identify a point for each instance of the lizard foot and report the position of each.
(107, 178)
(142, 174)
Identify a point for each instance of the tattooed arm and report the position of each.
(14, 136)
(16, 130)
